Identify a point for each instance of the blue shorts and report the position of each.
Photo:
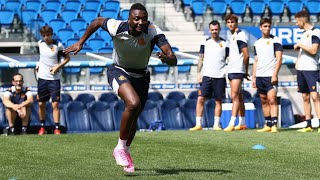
(232, 76)
(212, 87)
(264, 85)
(48, 89)
(116, 77)
(307, 81)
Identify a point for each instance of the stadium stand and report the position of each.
(208, 115)
(155, 96)
(65, 98)
(177, 96)
(100, 116)
(108, 97)
(118, 108)
(193, 95)
(189, 113)
(77, 117)
(85, 98)
(3, 120)
(149, 115)
(171, 115)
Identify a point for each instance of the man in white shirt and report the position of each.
(268, 59)
(211, 74)
(52, 60)
(237, 70)
(18, 100)
(307, 66)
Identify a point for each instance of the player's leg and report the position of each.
(11, 115)
(25, 119)
(54, 89)
(272, 100)
(235, 84)
(316, 101)
(43, 96)
(204, 92)
(219, 90)
(241, 113)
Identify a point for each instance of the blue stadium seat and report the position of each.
(124, 14)
(65, 34)
(276, 7)
(117, 110)
(49, 115)
(77, 24)
(155, 96)
(69, 14)
(74, 5)
(3, 120)
(77, 117)
(238, 7)
(105, 50)
(50, 14)
(14, 6)
(313, 7)
(208, 114)
(70, 74)
(219, 7)
(295, 6)
(93, 5)
(34, 5)
(108, 97)
(198, 7)
(85, 98)
(57, 24)
(287, 116)
(96, 43)
(171, 115)
(100, 116)
(35, 121)
(28, 15)
(89, 15)
(106, 37)
(149, 114)
(109, 13)
(161, 72)
(257, 7)
(258, 114)
(184, 69)
(177, 96)
(247, 97)
(65, 98)
(53, 5)
(71, 41)
(96, 70)
(37, 23)
(85, 49)
(6, 17)
(193, 95)
(115, 5)
(189, 113)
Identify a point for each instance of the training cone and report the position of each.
(259, 147)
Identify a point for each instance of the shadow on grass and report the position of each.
(162, 172)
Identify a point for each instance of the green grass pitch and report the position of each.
(163, 155)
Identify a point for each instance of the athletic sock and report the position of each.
(121, 144)
(56, 125)
(242, 120)
(274, 121)
(216, 121)
(24, 128)
(198, 121)
(232, 121)
(42, 122)
(308, 123)
(268, 121)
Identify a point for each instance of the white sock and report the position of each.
(198, 121)
(242, 120)
(121, 144)
(216, 121)
(232, 121)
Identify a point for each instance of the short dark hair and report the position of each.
(302, 14)
(214, 22)
(16, 74)
(232, 17)
(46, 29)
(265, 20)
(137, 6)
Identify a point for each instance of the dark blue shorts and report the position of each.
(232, 76)
(307, 81)
(212, 87)
(116, 77)
(264, 85)
(48, 89)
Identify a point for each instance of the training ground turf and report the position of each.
(163, 155)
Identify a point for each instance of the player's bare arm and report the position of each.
(274, 79)
(93, 27)
(199, 68)
(246, 57)
(167, 56)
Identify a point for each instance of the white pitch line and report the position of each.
(186, 55)
(99, 57)
(6, 58)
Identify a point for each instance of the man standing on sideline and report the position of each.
(211, 74)
(134, 40)
(237, 70)
(268, 59)
(52, 60)
(307, 66)
(18, 100)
